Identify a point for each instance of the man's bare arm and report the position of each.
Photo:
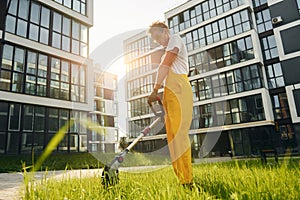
(164, 67)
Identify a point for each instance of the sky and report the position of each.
(114, 21)
(112, 17)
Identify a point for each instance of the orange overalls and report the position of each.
(178, 105)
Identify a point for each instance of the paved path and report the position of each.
(11, 184)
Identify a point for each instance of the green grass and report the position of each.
(14, 163)
(136, 159)
(242, 179)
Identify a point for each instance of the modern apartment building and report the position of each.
(243, 59)
(142, 57)
(104, 138)
(44, 70)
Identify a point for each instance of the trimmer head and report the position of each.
(110, 173)
(109, 176)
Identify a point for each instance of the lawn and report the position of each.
(14, 163)
(236, 179)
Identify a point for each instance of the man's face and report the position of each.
(160, 36)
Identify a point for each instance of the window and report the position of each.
(206, 119)
(18, 69)
(195, 90)
(217, 86)
(269, 47)
(200, 12)
(234, 111)
(30, 73)
(55, 78)
(3, 115)
(14, 117)
(33, 133)
(7, 62)
(13, 140)
(221, 29)
(205, 90)
(137, 107)
(257, 3)
(77, 5)
(44, 28)
(263, 20)
(219, 115)
(298, 2)
(230, 82)
(234, 52)
(42, 75)
(39, 118)
(65, 80)
(280, 106)
(28, 118)
(37, 25)
(66, 33)
(53, 120)
(78, 83)
(75, 34)
(30, 82)
(275, 75)
(35, 20)
(296, 94)
(57, 26)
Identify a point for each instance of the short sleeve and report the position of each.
(175, 41)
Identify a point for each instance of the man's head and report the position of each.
(159, 32)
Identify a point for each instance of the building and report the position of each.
(142, 57)
(243, 59)
(105, 115)
(44, 67)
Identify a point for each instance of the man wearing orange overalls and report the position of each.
(177, 98)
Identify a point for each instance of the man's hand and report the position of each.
(152, 97)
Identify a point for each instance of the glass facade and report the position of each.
(201, 12)
(229, 26)
(234, 111)
(41, 74)
(237, 51)
(137, 47)
(141, 63)
(105, 113)
(142, 85)
(139, 66)
(47, 26)
(230, 82)
(28, 127)
(76, 5)
(275, 78)
(25, 71)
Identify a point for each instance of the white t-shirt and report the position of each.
(180, 64)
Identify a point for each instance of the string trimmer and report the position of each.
(110, 173)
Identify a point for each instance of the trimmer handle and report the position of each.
(161, 113)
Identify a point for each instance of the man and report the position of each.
(177, 98)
